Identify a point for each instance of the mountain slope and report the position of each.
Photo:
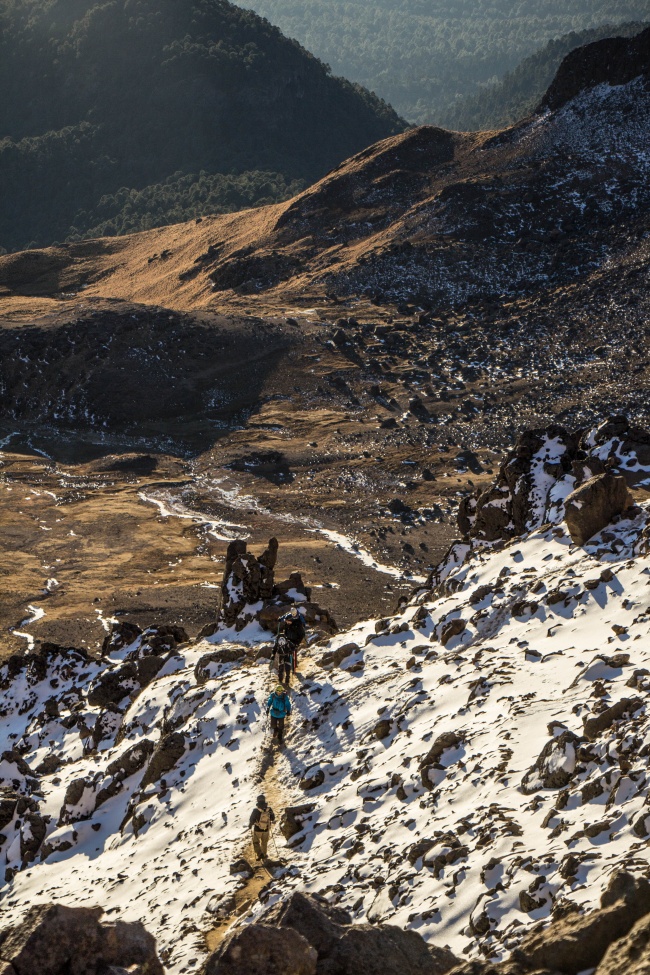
(507, 101)
(102, 97)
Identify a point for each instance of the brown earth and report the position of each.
(110, 552)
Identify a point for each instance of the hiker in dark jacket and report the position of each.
(278, 706)
(285, 653)
(292, 628)
(260, 823)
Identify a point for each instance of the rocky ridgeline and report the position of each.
(249, 593)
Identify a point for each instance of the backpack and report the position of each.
(265, 819)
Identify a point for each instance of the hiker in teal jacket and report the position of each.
(279, 706)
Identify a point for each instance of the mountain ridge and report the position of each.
(126, 95)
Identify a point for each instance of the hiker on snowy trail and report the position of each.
(292, 628)
(285, 653)
(262, 818)
(278, 706)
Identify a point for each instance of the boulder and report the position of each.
(259, 949)
(312, 916)
(555, 766)
(452, 629)
(579, 941)
(291, 821)
(629, 955)
(344, 948)
(129, 944)
(448, 739)
(592, 506)
(79, 800)
(334, 658)
(312, 781)
(167, 753)
(52, 939)
(210, 662)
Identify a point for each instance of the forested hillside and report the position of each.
(420, 55)
(504, 102)
(129, 114)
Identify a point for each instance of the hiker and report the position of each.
(292, 627)
(262, 817)
(278, 706)
(285, 651)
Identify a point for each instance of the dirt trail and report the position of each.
(271, 787)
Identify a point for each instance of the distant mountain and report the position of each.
(134, 113)
(421, 55)
(506, 101)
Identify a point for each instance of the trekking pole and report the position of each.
(272, 838)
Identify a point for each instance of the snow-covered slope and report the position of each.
(462, 766)
(171, 857)
(428, 813)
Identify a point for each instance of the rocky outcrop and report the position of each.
(167, 753)
(249, 592)
(613, 61)
(151, 649)
(55, 940)
(591, 507)
(340, 947)
(553, 471)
